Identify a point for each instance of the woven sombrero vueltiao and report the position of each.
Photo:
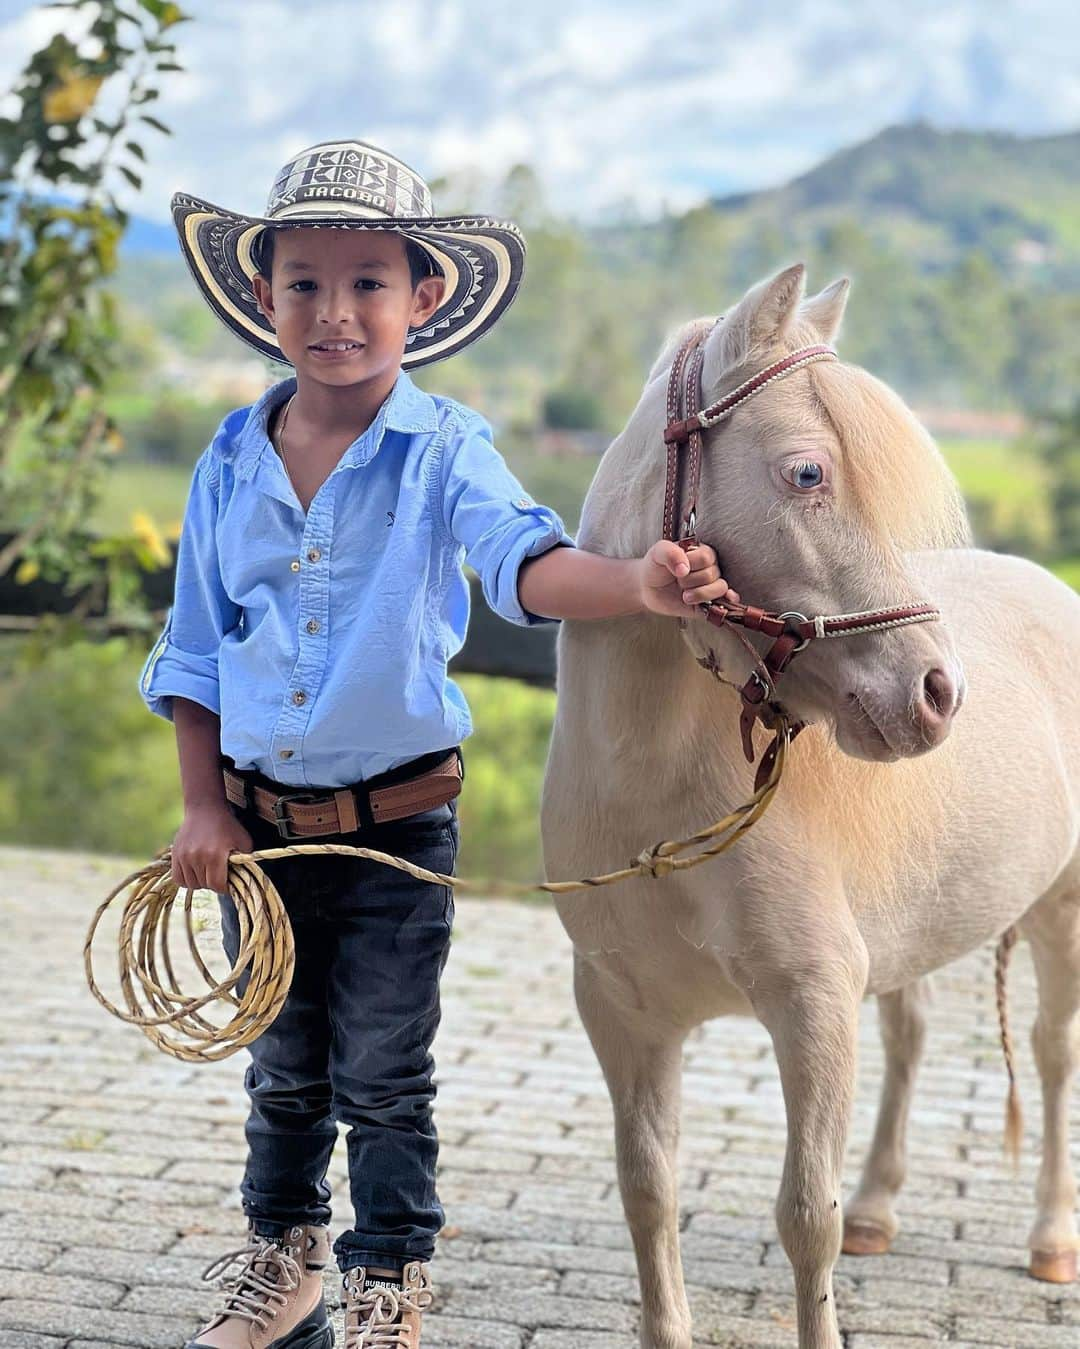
(351, 184)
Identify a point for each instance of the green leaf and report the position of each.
(136, 149)
(168, 65)
(153, 121)
(133, 178)
(147, 96)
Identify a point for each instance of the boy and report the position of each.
(319, 596)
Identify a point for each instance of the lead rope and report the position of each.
(173, 1020)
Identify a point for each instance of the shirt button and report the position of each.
(294, 566)
(523, 502)
(299, 697)
(313, 555)
(286, 754)
(313, 625)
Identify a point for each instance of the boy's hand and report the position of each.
(674, 581)
(200, 850)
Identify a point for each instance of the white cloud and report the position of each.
(609, 100)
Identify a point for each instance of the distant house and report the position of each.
(561, 444)
(966, 423)
(240, 381)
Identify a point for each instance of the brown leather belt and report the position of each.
(342, 810)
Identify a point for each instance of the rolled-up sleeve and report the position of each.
(486, 509)
(184, 660)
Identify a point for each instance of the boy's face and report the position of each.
(343, 285)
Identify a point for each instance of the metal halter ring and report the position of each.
(792, 613)
(768, 689)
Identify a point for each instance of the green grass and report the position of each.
(1069, 571)
(1005, 487)
(159, 489)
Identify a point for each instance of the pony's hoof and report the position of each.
(863, 1238)
(1054, 1266)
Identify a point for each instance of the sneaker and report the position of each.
(383, 1311)
(274, 1299)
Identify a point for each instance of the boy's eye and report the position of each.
(367, 282)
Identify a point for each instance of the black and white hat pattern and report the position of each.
(355, 185)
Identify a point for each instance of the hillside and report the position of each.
(1016, 199)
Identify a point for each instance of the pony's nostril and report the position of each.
(939, 692)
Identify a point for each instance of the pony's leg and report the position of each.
(869, 1220)
(812, 1014)
(1053, 929)
(641, 1058)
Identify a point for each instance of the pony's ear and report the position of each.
(762, 317)
(826, 309)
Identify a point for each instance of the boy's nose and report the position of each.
(336, 306)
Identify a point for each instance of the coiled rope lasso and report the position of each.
(174, 1021)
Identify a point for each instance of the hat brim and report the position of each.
(481, 259)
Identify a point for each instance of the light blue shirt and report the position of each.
(322, 640)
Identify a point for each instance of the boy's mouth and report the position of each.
(336, 350)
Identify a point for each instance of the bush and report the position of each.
(92, 769)
(572, 409)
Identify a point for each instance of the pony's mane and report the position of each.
(901, 486)
(674, 341)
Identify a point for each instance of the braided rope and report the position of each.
(870, 627)
(173, 1020)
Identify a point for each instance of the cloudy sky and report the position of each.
(611, 101)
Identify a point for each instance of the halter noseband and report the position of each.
(792, 631)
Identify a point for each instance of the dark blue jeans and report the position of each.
(353, 1041)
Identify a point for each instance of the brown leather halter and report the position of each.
(791, 631)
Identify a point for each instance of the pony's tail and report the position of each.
(1014, 1119)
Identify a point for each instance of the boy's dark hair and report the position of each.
(420, 261)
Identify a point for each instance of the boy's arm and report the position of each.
(669, 580)
(198, 746)
(528, 578)
(485, 509)
(184, 661)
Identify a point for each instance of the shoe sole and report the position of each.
(315, 1332)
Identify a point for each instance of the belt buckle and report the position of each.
(282, 820)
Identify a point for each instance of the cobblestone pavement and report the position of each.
(119, 1166)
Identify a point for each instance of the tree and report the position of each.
(1059, 448)
(60, 225)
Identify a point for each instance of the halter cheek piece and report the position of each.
(792, 631)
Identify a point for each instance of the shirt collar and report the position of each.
(406, 409)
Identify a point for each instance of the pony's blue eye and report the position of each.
(807, 474)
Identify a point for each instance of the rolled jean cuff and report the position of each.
(351, 1258)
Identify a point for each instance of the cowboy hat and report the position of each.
(352, 184)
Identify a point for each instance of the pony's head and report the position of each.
(812, 493)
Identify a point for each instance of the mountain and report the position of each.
(1016, 198)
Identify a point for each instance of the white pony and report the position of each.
(877, 861)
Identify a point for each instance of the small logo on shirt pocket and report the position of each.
(391, 518)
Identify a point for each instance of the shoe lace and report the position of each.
(378, 1309)
(266, 1276)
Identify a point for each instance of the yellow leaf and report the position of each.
(26, 572)
(68, 102)
(146, 531)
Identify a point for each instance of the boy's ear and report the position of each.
(427, 297)
(263, 295)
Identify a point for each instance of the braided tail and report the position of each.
(1014, 1120)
